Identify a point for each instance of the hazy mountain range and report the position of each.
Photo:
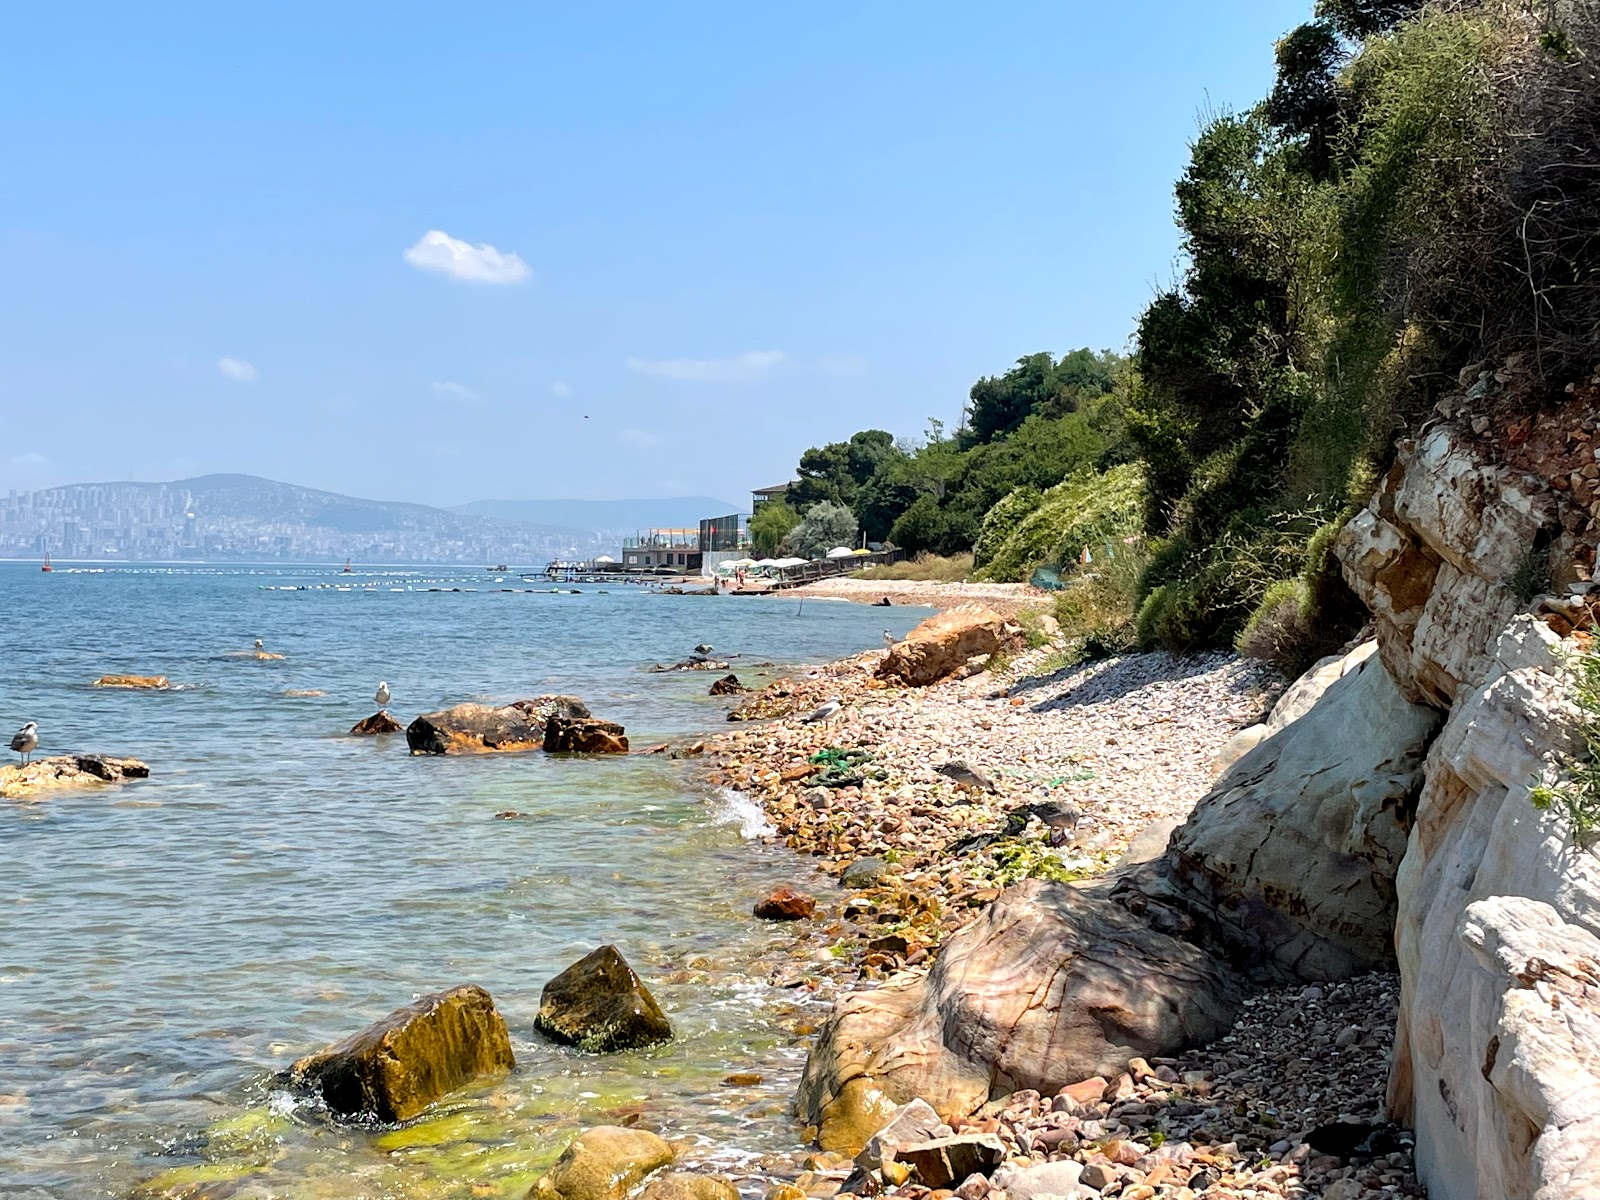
(244, 516)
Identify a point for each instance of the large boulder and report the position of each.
(1050, 985)
(603, 1163)
(943, 645)
(480, 728)
(63, 772)
(396, 1067)
(583, 735)
(599, 1004)
(1436, 555)
(1288, 863)
(1497, 1049)
(684, 1185)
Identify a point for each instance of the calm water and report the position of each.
(166, 947)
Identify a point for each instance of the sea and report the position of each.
(168, 947)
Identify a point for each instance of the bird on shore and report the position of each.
(25, 740)
(704, 648)
(260, 645)
(828, 710)
(889, 639)
(966, 776)
(382, 694)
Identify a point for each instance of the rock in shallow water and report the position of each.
(604, 1163)
(378, 722)
(479, 728)
(396, 1067)
(785, 904)
(149, 683)
(61, 772)
(684, 1185)
(600, 1005)
(585, 735)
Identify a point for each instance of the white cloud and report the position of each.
(560, 388)
(640, 437)
(741, 368)
(456, 391)
(237, 369)
(438, 251)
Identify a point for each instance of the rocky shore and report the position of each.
(1067, 773)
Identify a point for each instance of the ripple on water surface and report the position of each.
(167, 948)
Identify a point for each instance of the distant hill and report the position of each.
(678, 512)
(247, 517)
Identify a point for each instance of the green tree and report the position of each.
(827, 525)
(770, 525)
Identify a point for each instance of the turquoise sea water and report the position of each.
(167, 946)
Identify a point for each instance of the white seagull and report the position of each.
(260, 645)
(382, 694)
(823, 713)
(25, 740)
(889, 639)
(704, 648)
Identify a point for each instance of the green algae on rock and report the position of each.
(397, 1067)
(599, 1004)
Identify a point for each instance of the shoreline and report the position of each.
(1007, 599)
(1130, 743)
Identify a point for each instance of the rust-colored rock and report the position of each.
(600, 1005)
(378, 722)
(482, 728)
(728, 685)
(146, 683)
(397, 1067)
(944, 644)
(584, 735)
(61, 772)
(785, 904)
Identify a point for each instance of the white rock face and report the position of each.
(1497, 1054)
(1435, 555)
(1289, 862)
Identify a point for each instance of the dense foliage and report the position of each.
(1416, 194)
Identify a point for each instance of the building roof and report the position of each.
(775, 490)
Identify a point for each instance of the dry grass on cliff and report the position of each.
(924, 568)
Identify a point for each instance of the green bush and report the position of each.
(1086, 510)
(1001, 521)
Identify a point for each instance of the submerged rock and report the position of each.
(149, 683)
(584, 735)
(480, 728)
(603, 1163)
(785, 904)
(683, 1185)
(61, 772)
(600, 1005)
(944, 644)
(396, 1067)
(378, 722)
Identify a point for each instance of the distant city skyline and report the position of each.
(557, 252)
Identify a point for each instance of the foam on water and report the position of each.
(735, 808)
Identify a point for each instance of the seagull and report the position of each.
(824, 713)
(260, 645)
(967, 777)
(889, 639)
(24, 741)
(704, 648)
(382, 695)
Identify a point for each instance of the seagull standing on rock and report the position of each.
(382, 694)
(824, 713)
(704, 648)
(25, 740)
(889, 639)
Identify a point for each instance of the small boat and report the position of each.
(47, 567)
(501, 567)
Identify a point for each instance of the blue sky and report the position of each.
(675, 244)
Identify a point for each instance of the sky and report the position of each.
(475, 251)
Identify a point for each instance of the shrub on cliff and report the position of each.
(1092, 511)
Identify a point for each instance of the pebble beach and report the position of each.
(1123, 747)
